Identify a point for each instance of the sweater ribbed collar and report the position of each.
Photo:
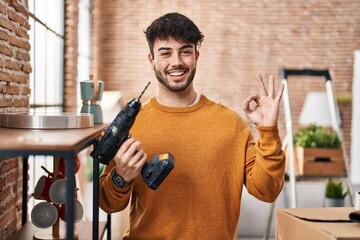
(153, 102)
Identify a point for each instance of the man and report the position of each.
(215, 153)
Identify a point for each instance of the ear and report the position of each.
(197, 54)
(151, 60)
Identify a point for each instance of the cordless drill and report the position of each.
(104, 149)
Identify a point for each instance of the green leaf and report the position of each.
(335, 189)
(315, 136)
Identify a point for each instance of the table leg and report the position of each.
(25, 189)
(108, 227)
(70, 188)
(95, 220)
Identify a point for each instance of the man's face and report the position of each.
(174, 63)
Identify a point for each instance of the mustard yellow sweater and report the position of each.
(215, 156)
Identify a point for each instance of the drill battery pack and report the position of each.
(156, 170)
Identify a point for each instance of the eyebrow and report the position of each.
(182, 47)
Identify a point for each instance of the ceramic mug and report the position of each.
(357, 201)
(57, 191)
(63, 165)
(42, 188)
(44, 215)
(78, 211)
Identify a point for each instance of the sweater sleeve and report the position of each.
(265, 164)
(112, 198)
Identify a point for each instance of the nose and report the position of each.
(177, 60)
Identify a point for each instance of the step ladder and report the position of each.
(288, 141)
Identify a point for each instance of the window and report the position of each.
(46, 80)
(47, 55)
(84, 42)
(47, 61)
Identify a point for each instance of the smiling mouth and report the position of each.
(177, 73)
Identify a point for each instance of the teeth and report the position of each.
(179, 73)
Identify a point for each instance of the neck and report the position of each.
(177, 99)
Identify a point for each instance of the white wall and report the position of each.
(355, 146)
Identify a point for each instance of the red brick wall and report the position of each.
(71, 55)
(14, 97)
(11, 198)
(241, 39)
(96, 26)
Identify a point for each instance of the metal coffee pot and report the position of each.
(91, 95)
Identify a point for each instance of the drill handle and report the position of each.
(106, 148)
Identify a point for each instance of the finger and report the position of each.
(262, 88)
(255, 98)
(280, 92)
(125, 146)
(247, 101)
(271, 86)
(136, 157)
(246, 106)
(135, 147)
(141, 162)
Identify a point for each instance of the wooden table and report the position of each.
(64, 143)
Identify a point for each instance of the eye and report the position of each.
(187, 52)
(165, 53)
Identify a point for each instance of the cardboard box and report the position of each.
(319, 161)
(316, 224)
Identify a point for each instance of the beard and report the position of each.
(166, 83)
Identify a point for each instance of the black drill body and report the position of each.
(118, 132)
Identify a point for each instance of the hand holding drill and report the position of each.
(129, 157)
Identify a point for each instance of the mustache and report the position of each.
(179, 67)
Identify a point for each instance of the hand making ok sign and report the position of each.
(266, 109)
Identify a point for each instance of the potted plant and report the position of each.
(316, 136)
(318, 152)
(334, 194)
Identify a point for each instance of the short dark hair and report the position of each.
(173, 25)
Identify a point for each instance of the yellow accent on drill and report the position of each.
(163, 156)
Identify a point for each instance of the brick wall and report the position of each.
(11, 198)
(241, 39)
(14, 97)
(71, 55)
(96, 32)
